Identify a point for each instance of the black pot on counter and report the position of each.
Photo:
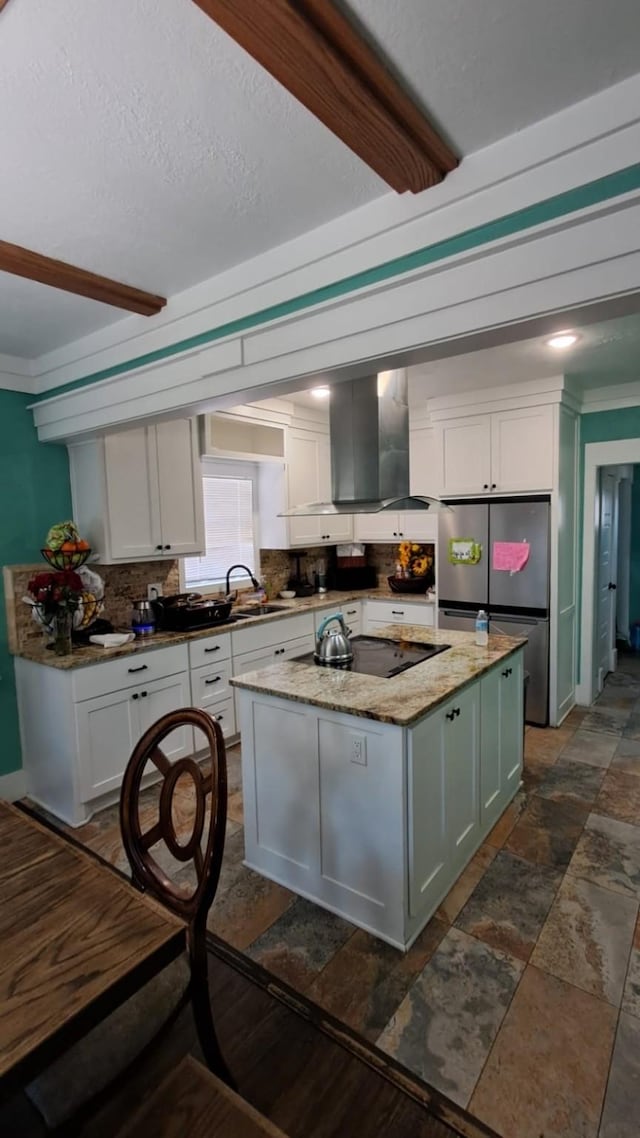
(183, 612)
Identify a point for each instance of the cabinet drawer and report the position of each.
(253, 661)
(273, 632)
(210, 684)
(210, 650)
(129, 671)
(224, 712)
(400, 612)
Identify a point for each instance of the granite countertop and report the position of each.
(38, 653)
(401, 700)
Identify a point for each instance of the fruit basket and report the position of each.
(410, 584)
(66, 558)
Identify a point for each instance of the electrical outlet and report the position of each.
(154, 591)
(359, 749)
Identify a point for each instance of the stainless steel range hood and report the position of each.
(369, 434)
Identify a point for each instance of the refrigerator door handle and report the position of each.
(512, 618)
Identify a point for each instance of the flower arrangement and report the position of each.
(413, 559)
(55, 598)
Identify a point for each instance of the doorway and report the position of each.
(607, 565)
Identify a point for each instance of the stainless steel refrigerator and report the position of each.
(471, 546)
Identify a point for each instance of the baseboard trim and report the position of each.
(13, 785)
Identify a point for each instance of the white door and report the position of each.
(131, 477)
(427, 810)
(108, 729)
(522, 449)
(464, 453)
(179, 488)
(605, 643)
(303, 486)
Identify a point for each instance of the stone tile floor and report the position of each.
(520, 1000)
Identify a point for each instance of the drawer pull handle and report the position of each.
(215, 680)
(142, 668)
(507, 672)
(351, 612)
(218, 717)
(453, 714)
(396, 612)
(215, 649)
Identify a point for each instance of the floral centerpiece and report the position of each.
(70, 595)
(55, 597)
(414, 569)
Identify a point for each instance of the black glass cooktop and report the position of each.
(385, 658)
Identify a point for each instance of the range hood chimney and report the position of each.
(369, 435)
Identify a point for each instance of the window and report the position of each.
(230, 526)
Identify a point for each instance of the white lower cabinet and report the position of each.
(109, 727)
(373, 821)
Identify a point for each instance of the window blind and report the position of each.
(228, 518)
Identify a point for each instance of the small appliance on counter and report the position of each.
(143, 621)
(183, 612)
(299, 580)
(350, 570)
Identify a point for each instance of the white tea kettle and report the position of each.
(333, 649)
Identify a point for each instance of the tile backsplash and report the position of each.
(125, 583)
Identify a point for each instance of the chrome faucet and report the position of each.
(256, 584)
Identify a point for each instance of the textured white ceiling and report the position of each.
(487, 68)
(137, 140)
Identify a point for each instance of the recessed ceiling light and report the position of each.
(320, 392)
(562, 340)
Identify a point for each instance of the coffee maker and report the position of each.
(299, 581)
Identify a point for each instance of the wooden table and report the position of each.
(76, 940)
(191, 1101)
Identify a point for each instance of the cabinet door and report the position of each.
(131, 479)
(179, 488)
(334, 527)
(522, 450)
(429, 871)
(423, 462)
(511, 717)
(462, 768)
(492, 798)
(377, 527)
(464, 449)
(108, 728)
(159, 697)
(417, 525)
(303, 486)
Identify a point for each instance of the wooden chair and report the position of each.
(83, 1073)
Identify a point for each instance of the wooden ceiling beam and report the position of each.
(311, 48)
(35, 267)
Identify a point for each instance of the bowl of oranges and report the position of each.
(64, 548)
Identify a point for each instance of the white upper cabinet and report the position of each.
(137, 494)
(307, 479)
(522, 446)
(389, 526)
(505, 452)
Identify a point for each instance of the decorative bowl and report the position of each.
(66, 558)
(410, 584)
(287, 594)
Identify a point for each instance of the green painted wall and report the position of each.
(34, 492)
(634, 575)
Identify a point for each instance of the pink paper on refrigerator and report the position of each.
(510, 556)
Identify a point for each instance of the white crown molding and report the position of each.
(611, 398)
(529, 393)
(583, 142)
(17, 374)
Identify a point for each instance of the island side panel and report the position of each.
(325, 808)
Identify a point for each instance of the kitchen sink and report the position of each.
(259, 610)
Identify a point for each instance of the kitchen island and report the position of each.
(370, 795)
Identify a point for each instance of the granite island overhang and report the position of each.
(370, 795)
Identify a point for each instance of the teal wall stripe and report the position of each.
(560, 205)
